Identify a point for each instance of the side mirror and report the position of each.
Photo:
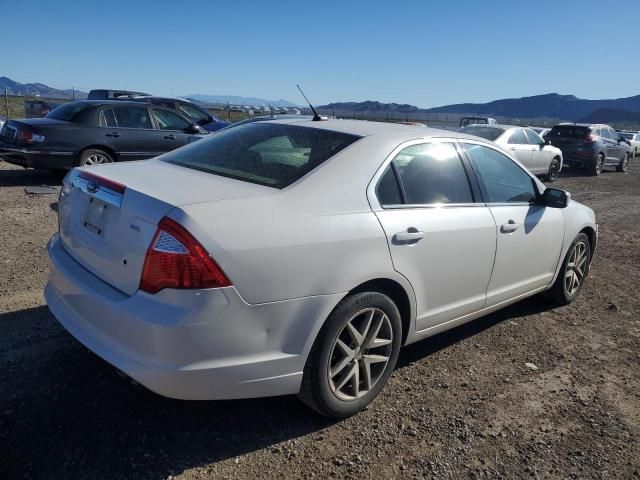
(555, 198)
(193, 128)
(547, 141)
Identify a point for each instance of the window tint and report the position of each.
(517, 137)
(132, 117)
(193, 112)
(108, 119)
(168, 120)
(504, 181)
(433, 173)
(274, 155)
(68, 111)
(533, 137)
(488, 133)
(569, 131)
(388, 190)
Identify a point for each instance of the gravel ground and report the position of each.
(460, 405)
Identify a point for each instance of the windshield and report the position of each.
(68, 111)
(268, 154)
(489, 133)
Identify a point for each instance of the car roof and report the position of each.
(109, 102)
(364, 128)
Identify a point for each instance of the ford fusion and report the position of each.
(299, 256)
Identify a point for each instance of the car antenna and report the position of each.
(316, 117)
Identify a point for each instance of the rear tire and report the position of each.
(573, 272)
(93, 156)
(346, 369)
(596, 168)
(554, 169)
(624, 164)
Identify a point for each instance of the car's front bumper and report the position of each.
(188, 344)
(33, 158)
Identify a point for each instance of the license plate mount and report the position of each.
(96, 216)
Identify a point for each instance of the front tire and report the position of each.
(554, 169)
(573, 272)
(624, 164)
(596, 169)
(353, 355)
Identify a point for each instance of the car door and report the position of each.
(519, 147)
(440, 235)
(610, 145)
(529, 236)
(128, 130)
(171, 129)
(540, 157)
(621, 146)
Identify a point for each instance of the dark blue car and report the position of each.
(189, 109)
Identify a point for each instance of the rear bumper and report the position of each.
(189, 344)
(28, 158)
(579, 158)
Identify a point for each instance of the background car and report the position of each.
(197, 114)
(103, 94)
(297, 257)
(92, 131)
(465, 121)
(634, 142)
(525, 144)
(593, 147)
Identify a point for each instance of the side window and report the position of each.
(108, 119)
(517, 137)
(433, 173)
(504, 181)
(168, 120)
(132, 117)
(388, 189)
(533, 137)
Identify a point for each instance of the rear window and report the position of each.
(627, 135)
(489, 133)
(274, 155)
(568, 131)
(68, 111)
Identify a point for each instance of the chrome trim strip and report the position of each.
(37, 152)
(104, 194)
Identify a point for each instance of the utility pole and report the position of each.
(6, 101)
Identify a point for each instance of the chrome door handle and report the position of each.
(114, 134)
(513, 149)
(170, 137)
(411, 236)
(509, 227)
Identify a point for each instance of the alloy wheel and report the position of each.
(96, 159)
(599, 163)
(576, 268)
(360, 354)
(553, 171)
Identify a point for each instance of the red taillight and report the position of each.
(25, 136)
(176, 260)
(103, 182)
(590, 139)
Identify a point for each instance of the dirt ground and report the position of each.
(460, 405)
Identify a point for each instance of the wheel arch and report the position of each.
(591, 234)
(397, 293)
(104, 148)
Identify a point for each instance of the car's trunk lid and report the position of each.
(109, 214)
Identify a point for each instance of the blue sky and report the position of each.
(418, 52)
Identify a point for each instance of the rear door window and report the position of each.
(132, 117)
(108, 118)
(517, 137)
(432, 173)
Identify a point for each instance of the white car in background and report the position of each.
(297, 256)
(634, 142)
(526, 145)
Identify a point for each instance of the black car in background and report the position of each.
(95, 131)
(189, 109)
(590, 146)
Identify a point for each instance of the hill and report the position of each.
(552, 105)
(17, 88)
(237, 100)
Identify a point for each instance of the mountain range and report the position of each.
(17, 88)
(551, 105)
(237, 100)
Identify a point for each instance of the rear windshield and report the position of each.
(627, 135)
(489, 133)
(68, 111)
(568, 131)
(268, 154)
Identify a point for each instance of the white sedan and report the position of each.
(298, 256)
(527, 146)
